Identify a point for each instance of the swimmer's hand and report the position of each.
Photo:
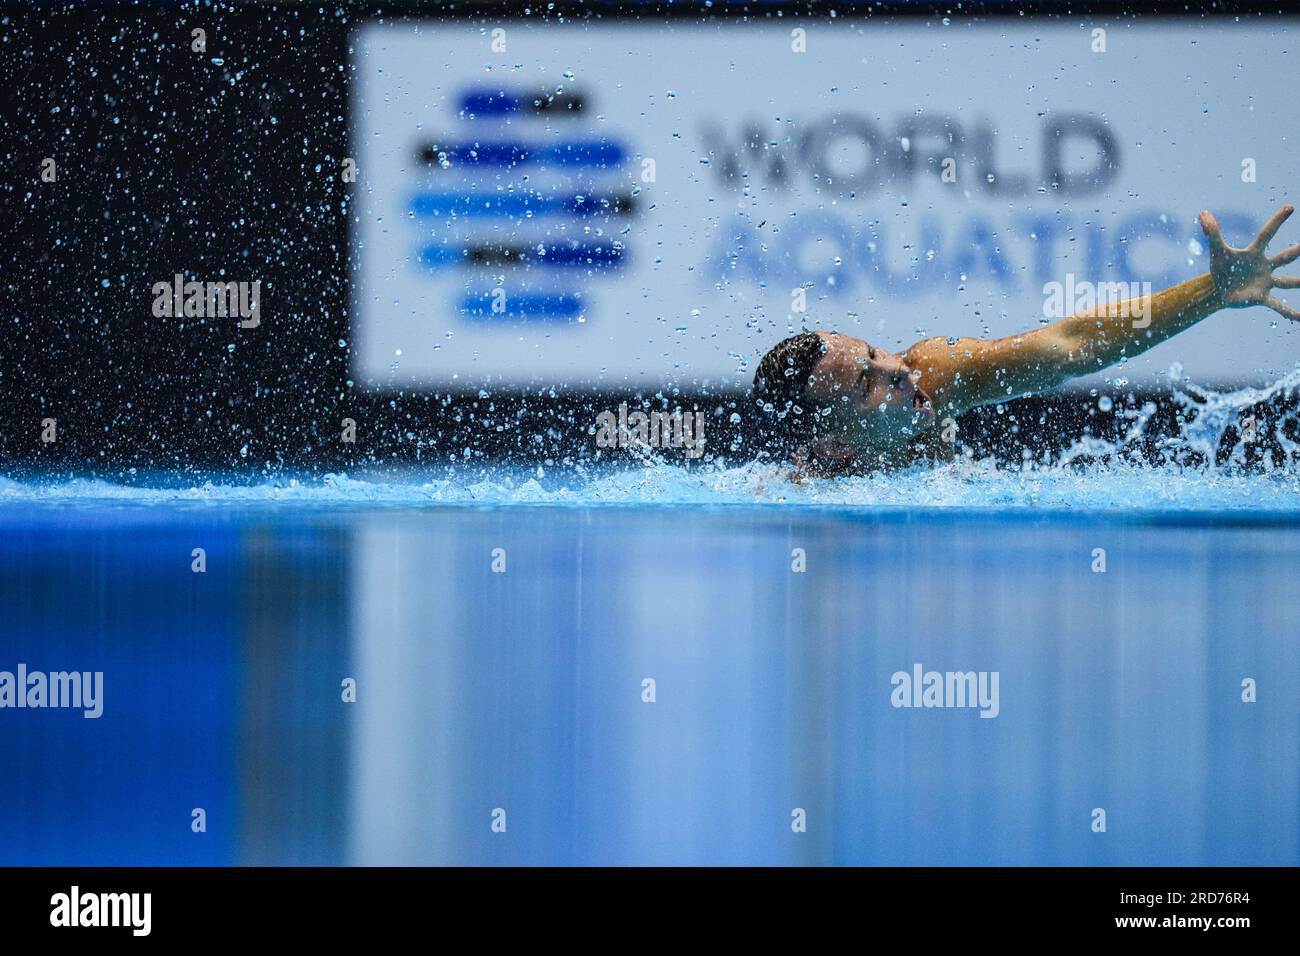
(965, 373)
(1244, 277)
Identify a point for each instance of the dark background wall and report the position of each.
(225, 163)
(170, 161)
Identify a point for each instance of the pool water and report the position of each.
(517, 699)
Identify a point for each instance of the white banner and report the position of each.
(652, 203)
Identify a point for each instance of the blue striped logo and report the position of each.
(522, 203)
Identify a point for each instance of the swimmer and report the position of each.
(834, 404)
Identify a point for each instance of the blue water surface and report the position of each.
(523, 691)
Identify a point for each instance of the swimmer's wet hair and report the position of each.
(784, 420)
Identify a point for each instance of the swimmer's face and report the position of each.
(875, 399)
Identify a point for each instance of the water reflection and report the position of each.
(524, 690)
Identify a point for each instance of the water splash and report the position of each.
(1203, 465)
(1216, 433)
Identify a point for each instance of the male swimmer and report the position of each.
(834, 404)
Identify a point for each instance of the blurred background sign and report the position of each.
(640, 203)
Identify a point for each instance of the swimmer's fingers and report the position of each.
(1286, 256)
(1282, 309)
(1270, 229)
(1286, 282)
(1210, 226)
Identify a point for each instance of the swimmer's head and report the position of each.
(832, 399)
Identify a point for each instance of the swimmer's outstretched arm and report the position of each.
(971, 372)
